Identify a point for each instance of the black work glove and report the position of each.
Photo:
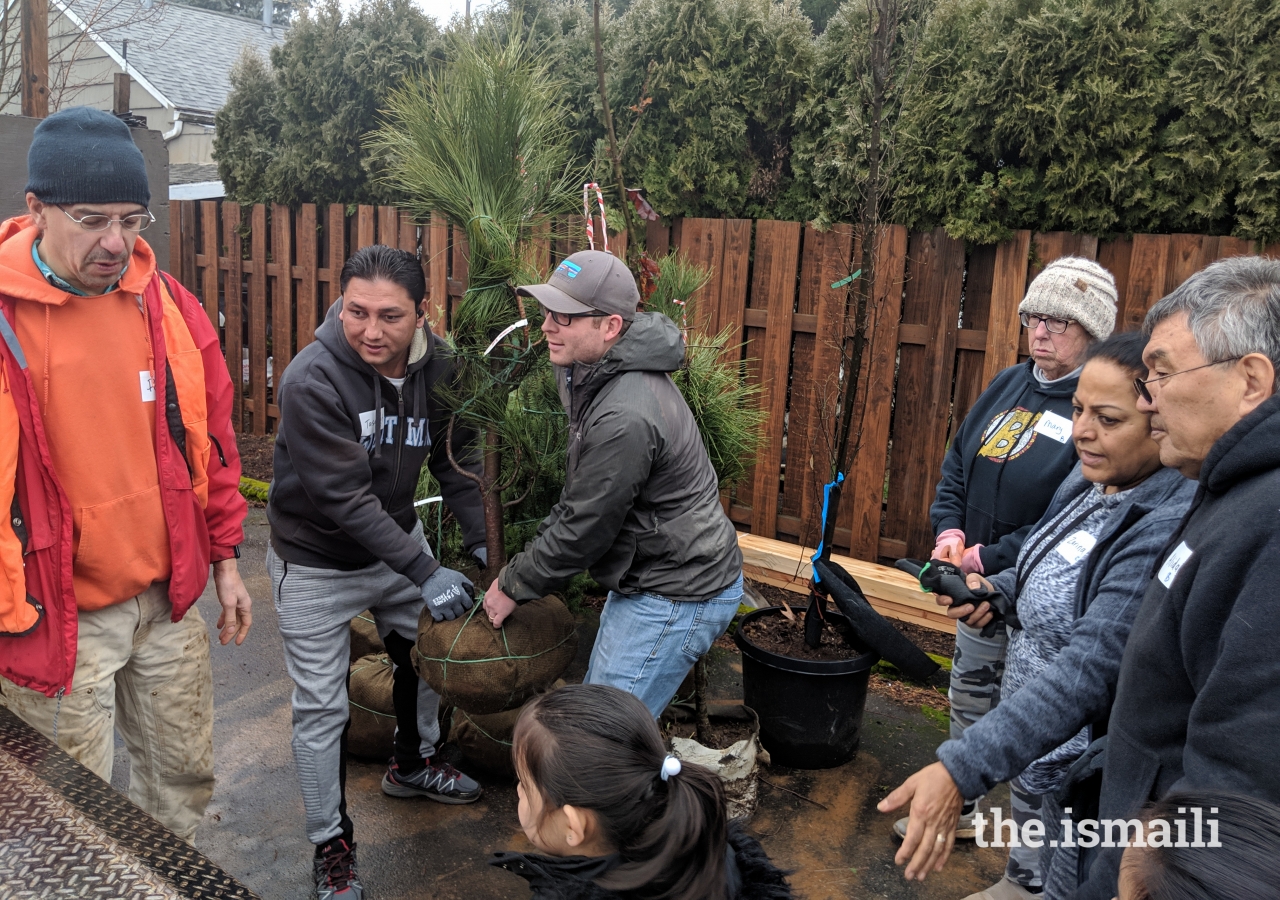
(448, 594)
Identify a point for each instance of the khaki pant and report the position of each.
(149, 678)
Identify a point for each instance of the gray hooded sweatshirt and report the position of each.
(349, 449)
(640, 507)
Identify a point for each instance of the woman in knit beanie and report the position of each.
(1070, 290)
(1004, 465)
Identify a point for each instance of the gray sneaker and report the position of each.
(335, 873)
(437, 780)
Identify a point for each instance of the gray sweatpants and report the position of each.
(976, 672)
(315, 608)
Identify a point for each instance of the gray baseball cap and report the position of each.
(588, 281)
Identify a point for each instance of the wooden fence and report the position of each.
(944, 322)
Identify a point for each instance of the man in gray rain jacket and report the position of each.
(641, 506)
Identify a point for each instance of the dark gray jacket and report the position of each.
(640, 507)
(1078, 687)
(349, 449)
(1198, 700)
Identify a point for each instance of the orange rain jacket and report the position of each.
(197, 465)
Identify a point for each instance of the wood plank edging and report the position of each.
(892, 593)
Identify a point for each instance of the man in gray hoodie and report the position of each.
(641, 506)
(359, 417)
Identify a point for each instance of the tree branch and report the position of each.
(448, 449)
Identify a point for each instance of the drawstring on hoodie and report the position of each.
(377, 406)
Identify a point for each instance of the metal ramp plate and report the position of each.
(66, 833)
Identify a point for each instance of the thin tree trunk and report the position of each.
(702, 718)
(494, 538)
(615, 156)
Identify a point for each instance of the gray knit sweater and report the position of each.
(1058, 549)
(1075, 688)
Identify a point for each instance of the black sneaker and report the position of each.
(335, 871)
(437, 780)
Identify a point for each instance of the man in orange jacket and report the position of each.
(119, 474)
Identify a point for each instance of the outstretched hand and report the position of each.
(935, 810)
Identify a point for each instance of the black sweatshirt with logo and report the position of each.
(349, 449)
(1005, 463)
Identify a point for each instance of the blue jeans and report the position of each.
(647, 644)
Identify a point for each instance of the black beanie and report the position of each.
(85, 155)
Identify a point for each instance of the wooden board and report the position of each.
(186, 267)
(657, 239)
(731, 305)
(935, 271)
(436, 250)
(1148, 266)
(281, 290)
(702, 243)
(864, 504)
(258, 318)
(337, 232)
(233, 306)
(1008, 286)
(209, 273)
(408, 231)
(365, 236)
(777, 259)
(817, 401)
(307, 273)
(971, 339)
(891, 593)
(388, 226)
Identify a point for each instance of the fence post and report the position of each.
(233, 306)
(307, 237)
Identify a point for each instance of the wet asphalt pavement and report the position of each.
(420, 849)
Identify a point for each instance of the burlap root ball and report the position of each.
(483, 669)
(486, 740)
(373, 716)
(364, 637)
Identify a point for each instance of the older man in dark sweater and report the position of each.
(1199, 690)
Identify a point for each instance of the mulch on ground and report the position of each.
(256, 453)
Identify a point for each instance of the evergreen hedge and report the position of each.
(1098, 116)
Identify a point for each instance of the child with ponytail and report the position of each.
(619, 818)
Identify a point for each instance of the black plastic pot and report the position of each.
(810, 710)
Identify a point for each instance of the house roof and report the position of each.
(184, 52)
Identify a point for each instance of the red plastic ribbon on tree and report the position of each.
(586, 212)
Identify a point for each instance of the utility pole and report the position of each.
(35, 58)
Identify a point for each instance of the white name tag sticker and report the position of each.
(1076, 547)
(1175, 561)
(1054, 426)
(368, 421)
(148, 385)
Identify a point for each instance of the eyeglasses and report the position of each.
(1141, 386)
(1055, 326)
(98, 222)
(564, 320)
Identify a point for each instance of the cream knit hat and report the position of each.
(1076, 289)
